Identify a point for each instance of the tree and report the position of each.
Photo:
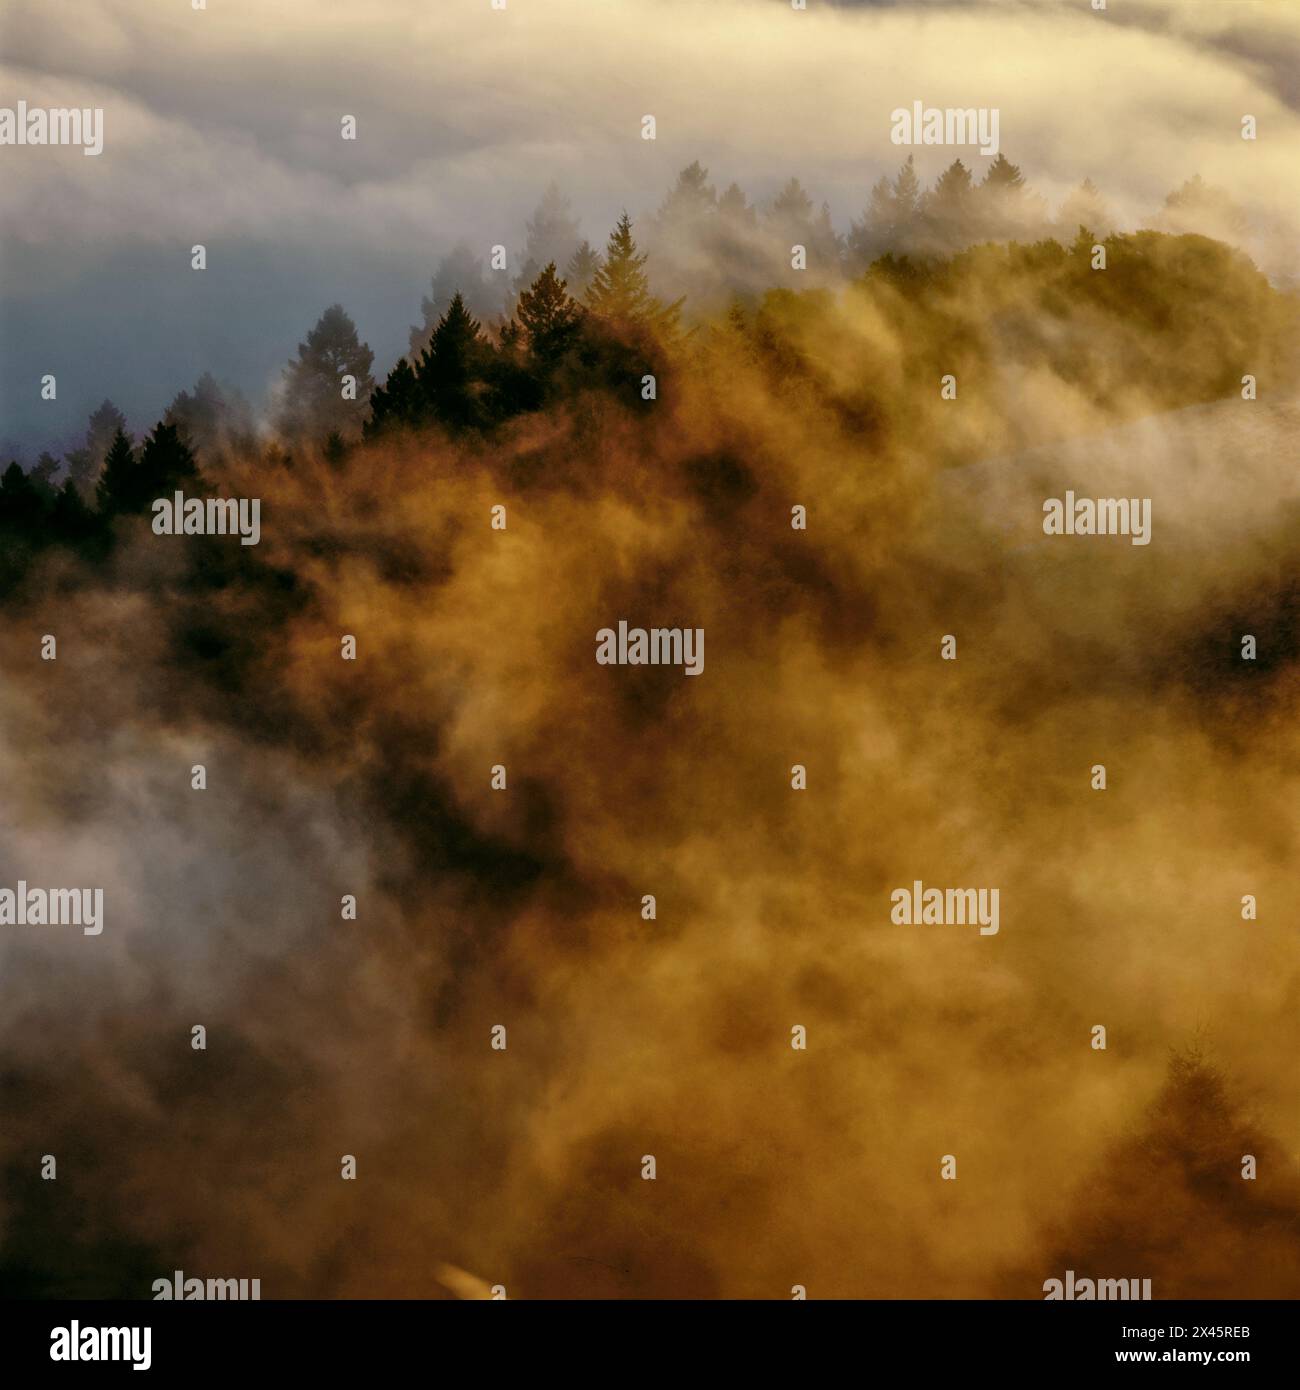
(548, 316)
(1001, 201)
(620, 290)
(688, 205)
(71, 521)
(84, 464)
(42, 475)
(907, 196)
(451, 368)
(1200, 207)
(399, 403)
(793, 221)
(460, 272)
(1084, 207)
(582, 268)
(166, 464)
(314, 402)
(21, 505)
(130, 484)
(735, 208)
(949, 209)
(211, 419)
(552, 236)
(118, 489)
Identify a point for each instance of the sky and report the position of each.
(222, 128)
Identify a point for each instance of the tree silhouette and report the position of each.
(620, 290)
(450, 371)
(792, 219)
(42, 475)
(1197, 206)
(552, 236)
(21, 505)
(582, 268)
(314, 403)
(84, 464)
(889, 223)
(548, 316)
(460, 272)
(1084, 207)
(689, 204)
(398, 403)
(131, 484)
(949, 209)
(211, 419)
(119, 486)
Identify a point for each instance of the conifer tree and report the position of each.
(552, 235)
(314, 403)
(119, 484)
(452, 366)
(582, 268)
(620, 290)
(131, 484)
(398, 403)
(84, 464)
(1084, 207)
(548, 316)
(21, 505)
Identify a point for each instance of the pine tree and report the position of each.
(84, 464)
(582, 268)
(211, 418)
(552, 235)
(907, 197)
(791, 209)
(792, 221)
(949, 209)
(118, 489)
(313, 383)
(690, 202)
(620, 291)
(461, 272)
(42, 475)
(1084, 207)
(131, 485)
(873, 234)
(735, 208)
(21, 506)
(398, 404)
(71, 521)
(1000, 200)
(166, 464)
(452, 367)
(548, 316)
(1200, 207)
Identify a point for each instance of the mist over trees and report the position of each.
(710, 276)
